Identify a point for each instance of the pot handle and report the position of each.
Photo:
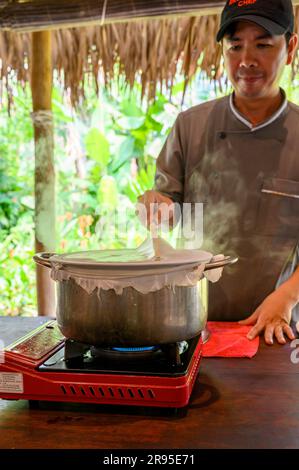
(43, 259)
(226, 261)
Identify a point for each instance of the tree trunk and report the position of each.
(41, 86)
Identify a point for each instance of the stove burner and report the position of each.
(128, 353)
(140, 349)
(78, 352)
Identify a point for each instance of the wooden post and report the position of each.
(45, 240)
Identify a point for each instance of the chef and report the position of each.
(239, 156)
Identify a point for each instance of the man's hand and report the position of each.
(273, 317)
(154, 203)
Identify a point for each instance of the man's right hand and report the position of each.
(156, 208)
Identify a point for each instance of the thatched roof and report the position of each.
(154, 49)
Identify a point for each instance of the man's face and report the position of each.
(255, 60)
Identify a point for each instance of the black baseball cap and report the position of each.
(275, 16)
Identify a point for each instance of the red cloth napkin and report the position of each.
(228, 339)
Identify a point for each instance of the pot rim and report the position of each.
(52, 260)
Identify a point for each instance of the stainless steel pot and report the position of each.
(132, 318)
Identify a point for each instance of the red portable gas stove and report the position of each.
(43, 365)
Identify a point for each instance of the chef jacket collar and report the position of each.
(252, 128)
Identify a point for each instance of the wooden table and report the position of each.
(236, 403)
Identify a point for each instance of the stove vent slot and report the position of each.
(151, 393)
(63, 389)
(121, 393)
(73, 390)
(111, 391)
(92, 391)
(130, 393)
(82, 391)
(101, 391)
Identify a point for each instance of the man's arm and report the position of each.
(273, 316)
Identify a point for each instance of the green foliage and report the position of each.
(16, 160)
(17, 276)
(97, 147)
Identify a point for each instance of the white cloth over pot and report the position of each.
(140, 268)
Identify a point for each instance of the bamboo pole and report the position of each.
(41, 87)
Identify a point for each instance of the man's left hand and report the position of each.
(273, 318)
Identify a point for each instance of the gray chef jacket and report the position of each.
(248, 182)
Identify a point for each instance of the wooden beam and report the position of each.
(41, 86)
(36, 15)
(39, 15)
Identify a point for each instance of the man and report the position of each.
(238, 155)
